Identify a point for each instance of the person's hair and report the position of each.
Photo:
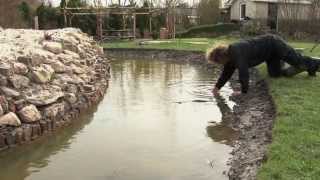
(217, 53)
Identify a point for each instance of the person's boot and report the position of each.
(313, 68)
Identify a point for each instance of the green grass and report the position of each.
(182, 44)
(295, 150)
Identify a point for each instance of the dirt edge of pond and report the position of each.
(253, 115)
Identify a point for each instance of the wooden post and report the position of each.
(65, 23)
(99, 25)
(150, 22)
(174, 22)
(134, 25)
(36, 22)
(70, 20)
(64, 14)
(123, 22)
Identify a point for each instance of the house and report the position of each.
(269, 11)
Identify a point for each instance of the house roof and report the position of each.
(285, 1)
(230, 2)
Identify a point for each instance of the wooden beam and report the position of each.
(108, 8)
(116, 13)
(134, 26)
(150, 24)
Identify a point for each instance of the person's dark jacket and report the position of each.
(245, 54)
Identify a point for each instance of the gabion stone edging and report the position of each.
(47, 78)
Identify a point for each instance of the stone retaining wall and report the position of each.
(47, 78)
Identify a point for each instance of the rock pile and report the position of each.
(46, 79)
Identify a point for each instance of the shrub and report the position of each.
(209, 30)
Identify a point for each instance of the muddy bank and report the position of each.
(252, 116)
(47, 78)
(156, 54)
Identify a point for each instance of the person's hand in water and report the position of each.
(215, 91)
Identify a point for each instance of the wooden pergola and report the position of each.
(124, 33)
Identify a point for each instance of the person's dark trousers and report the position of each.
(298, 62)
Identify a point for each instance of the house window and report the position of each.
(242, 11)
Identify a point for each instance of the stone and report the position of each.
(9, 92)
(12, 106)
(27, 132)
(41, 56)
(53, 110)
(29, 114)
(42, 74)
(19, 104)
(70, 97)
(68, 78)
(88, 88)
(44, 97)
(76, 69)
(19, 135)
(28, 61)
(4, 104)
(6, 70)
(2, 142)
(44, 126)
(20, 68)
(36, 131)
(1, 111)
(72, 54)
(72, 88)
(58, 67)
(66, 59)
(19, 81)
(3, 80)
(53, 47)
(11, 139)
(10, 119)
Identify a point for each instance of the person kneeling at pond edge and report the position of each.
(248, 53)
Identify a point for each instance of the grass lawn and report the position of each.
(295, 150)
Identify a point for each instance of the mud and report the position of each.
(253, 117)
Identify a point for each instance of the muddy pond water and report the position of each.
(158, 121)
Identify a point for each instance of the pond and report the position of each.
(158, 121)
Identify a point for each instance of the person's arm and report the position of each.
(244, 76)
(226, 74)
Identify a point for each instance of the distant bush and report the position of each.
(209, 30)
(254, 28)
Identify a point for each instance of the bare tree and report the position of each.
(209, 11)
(299, 16)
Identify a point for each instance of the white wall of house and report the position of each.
(259, 10)
(235, 9)
(251, 9)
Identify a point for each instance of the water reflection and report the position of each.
(18, 163)
(221, 132)
(139, 131)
